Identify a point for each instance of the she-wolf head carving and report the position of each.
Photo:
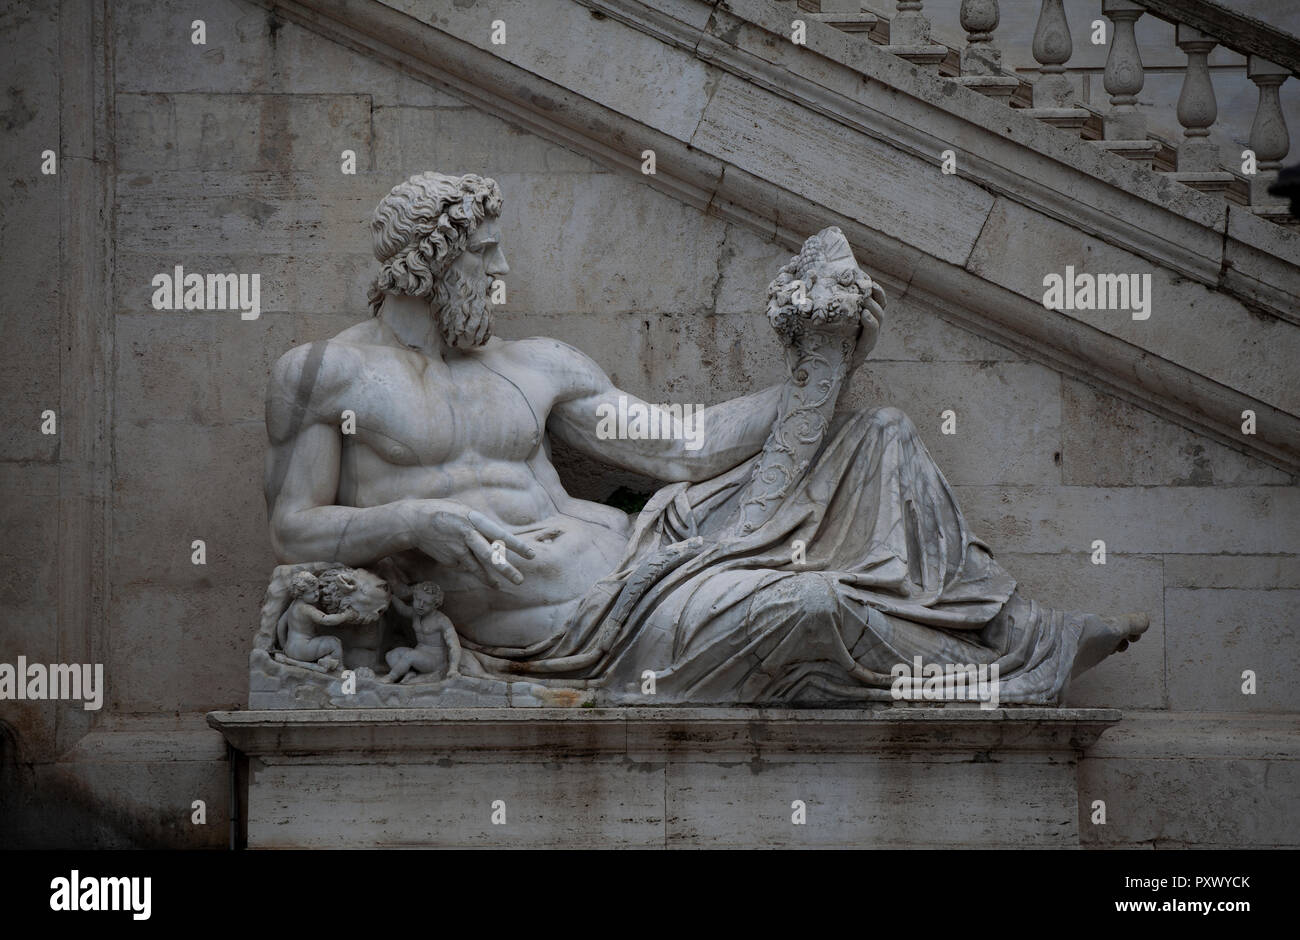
(823, 286)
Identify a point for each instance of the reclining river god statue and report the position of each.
(797, 556)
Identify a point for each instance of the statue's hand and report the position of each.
(452, 534)
(871, 319)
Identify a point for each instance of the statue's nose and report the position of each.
(496, 263)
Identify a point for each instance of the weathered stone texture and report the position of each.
(227, 159)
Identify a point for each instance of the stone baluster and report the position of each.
(1054, 92)
(1125, 127)
(981, 56)
(1268, 135)
(1052, 49)
(981, 60)
(1198, 156)
(911, 26)
(909, 35)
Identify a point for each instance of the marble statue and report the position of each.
(296, 629)
(797, 555)
(437, 647)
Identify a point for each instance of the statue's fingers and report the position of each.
(492, 560)
(497, 532)
(462, 559)
(476, 565)
(876, 311)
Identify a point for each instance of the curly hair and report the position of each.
(422, 225)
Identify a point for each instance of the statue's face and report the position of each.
(425, 599)
(462, 298)
(483, 258)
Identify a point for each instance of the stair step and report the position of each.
(1280, 213)
(848, 22)
(1139, 151)
(1070, 119)
(995, 86)
(925, 55)
(1206, 182)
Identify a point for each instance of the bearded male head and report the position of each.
(422, 231)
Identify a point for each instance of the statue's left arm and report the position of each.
(709, 442)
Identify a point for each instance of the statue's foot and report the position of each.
(1102, 636)
(329, 663)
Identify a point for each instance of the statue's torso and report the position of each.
(471, 431)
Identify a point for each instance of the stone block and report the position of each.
(187, 213)
(662, 777)
(242, 133)
(26, 557)
(668, 88)
(1186, 780)
(29, 624)
(30, 326)
(1008, 415)
(465, 140)
(207, 368)
(816, 158)
(249, 49)
(1135, 520)
(155, 628)
(1108, 442)
(652, 253)
(1201, 329)
(130, 783)
(1213, 635)
(167, 483)
(315, 285)
(1245, 572)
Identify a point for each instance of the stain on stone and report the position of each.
(273, 24)
(1202, 473)
(731, 35)
(254, 209)
(18, 111)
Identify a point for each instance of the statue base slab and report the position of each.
(275, 685)
(891, 776)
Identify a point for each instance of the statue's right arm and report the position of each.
(302, 480)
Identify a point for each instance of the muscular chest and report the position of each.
(410, 414)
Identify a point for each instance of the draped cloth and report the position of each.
(866, 563)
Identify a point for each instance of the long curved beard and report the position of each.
(460, 308)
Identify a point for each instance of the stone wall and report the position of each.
(226, 157)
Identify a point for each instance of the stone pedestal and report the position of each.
(665, 777)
